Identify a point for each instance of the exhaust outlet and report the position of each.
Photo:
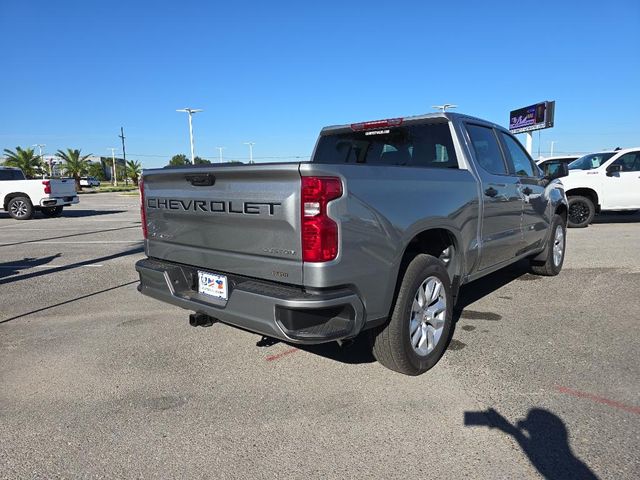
(201, 320)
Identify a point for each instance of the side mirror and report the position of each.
(553, 170)
(611, 169)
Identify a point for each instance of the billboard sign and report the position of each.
(533, 117)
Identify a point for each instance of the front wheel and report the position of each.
(551, 263)
(52, 211)
(416, 335)
(20, 208)
(581, 211)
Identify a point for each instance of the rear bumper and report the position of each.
(58, 201)
(268, 308)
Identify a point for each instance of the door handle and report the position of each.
(491, 192)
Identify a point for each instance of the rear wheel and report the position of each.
(52, 211)
(581, 211)
(418, 331)
(20, 208)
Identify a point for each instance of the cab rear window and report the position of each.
(426, 145)
(11, 175)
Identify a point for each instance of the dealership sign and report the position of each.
(533, 117)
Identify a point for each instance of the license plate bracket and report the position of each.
(213, 285)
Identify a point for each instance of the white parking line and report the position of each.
(76, 242)
(23, 267)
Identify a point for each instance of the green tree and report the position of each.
(178, 160)
(201, 161)
(75, 164)
(122, 173)
(26, 160)
(96, 169)
(134, 169)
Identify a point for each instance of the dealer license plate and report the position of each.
(212, 284)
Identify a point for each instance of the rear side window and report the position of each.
(11, 175)
(425, 145)
(485, 145)
(630, 162)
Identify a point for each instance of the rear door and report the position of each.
(243, 220)
(535, 218)
(501, 226)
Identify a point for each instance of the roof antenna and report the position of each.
(444, 107)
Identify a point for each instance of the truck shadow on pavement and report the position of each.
(544, 439)
(359, 351)
(11, 268)
(11, 277)
(93, 232)
(73, 213)
(617, 217)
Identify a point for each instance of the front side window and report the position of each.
(630, 162)
(591, 161)
(485, 145)
(521, 164)
(422, 145)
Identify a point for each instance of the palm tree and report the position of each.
(134, 169)
(74, 164)
(27, 160)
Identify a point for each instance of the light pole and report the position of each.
(190, 111)
(220, 150)
(251, 144)
(40, 147)
(552, 143)
(444, 107)
(113, 157)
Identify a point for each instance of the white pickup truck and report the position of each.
(602, 181)
(21, 197)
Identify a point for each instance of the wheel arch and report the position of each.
(590, 193)
(434, 242)
(10, 196)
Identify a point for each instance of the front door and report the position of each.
(622, 189)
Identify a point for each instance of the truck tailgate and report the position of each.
(65, 187)
(244, 220)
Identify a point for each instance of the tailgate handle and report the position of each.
(204, 180)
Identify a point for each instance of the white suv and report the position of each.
(602, 181)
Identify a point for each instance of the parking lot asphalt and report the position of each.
(541, 379)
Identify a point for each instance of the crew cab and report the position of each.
(376, 233)
(603, 181)
(21, 197)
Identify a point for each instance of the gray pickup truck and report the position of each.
(377, 232)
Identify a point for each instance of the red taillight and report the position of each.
(143, 214)
(47, 187)
(375, 124)
(319, 232)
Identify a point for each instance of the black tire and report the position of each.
(52, 211)
(20, 208)
(392, 342)
(581, 211)
(549, 265)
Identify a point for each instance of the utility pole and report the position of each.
(124, 153)
(114, 177)
(190, 111)
(40, 147)
(220, 150)
(251, 144)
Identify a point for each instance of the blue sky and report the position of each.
(276, 72)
